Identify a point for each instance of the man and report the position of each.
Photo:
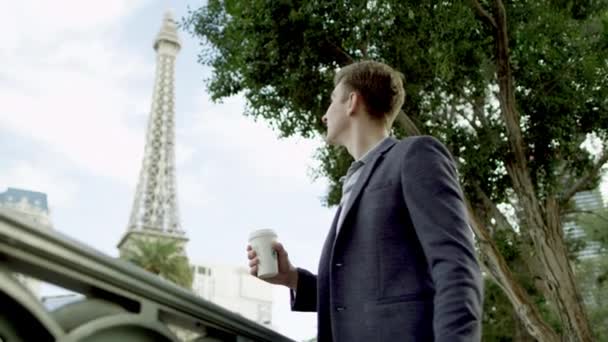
(398, 263)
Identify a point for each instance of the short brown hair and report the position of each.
(380, 86)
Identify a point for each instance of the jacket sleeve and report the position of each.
(436, 207)
(304, 298)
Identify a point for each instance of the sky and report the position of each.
(76, 82)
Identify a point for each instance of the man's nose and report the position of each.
(324, 119)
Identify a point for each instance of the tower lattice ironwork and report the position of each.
(155, 208)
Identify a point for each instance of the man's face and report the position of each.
(336, 117)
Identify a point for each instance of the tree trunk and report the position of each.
(521, 333)
(498, 269)
(545, 230)
(407, 124)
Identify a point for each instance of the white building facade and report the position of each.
(585, 201)
(33, 206)
(234, 289)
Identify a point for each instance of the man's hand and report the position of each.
(288, 274)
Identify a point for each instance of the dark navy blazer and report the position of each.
(402, 266)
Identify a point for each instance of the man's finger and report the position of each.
(254, 262)
(254, 271)
(279, 248)
(251, 254)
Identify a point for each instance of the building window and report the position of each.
(203, 270)
(264, 313)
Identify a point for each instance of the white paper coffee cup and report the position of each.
(261, 242)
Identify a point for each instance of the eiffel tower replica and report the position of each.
(155, 212)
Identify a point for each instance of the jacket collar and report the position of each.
(370, 161)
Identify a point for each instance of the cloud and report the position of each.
(38, 177)
(50, 21)
(195, 187)
(65, 87)
(254, 143)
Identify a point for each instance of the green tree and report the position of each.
(513, 89)
(500, 321)
(163, 258)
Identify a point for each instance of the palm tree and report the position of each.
(163, 258)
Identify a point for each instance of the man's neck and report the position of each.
(364, 141)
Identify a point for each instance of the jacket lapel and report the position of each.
(367, 171)
(324, 261)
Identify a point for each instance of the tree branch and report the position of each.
(545, 231)
(519, 171)
(499, 270)
(363, 49)
(346, 58)
(505, 81)
(492, 209)
(483, 14)
(478, 103)
(584, 181)
(407, 124)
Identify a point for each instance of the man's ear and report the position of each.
(354, 102)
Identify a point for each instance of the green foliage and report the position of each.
(499, 318)
(163, 258)
(508, 245)
(498, 315)
(560, 69)
(335, 162)
(282, 56)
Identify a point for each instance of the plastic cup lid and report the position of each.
(261, 232)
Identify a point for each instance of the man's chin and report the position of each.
(329, 140)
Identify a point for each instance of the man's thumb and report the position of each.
(281, 254)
